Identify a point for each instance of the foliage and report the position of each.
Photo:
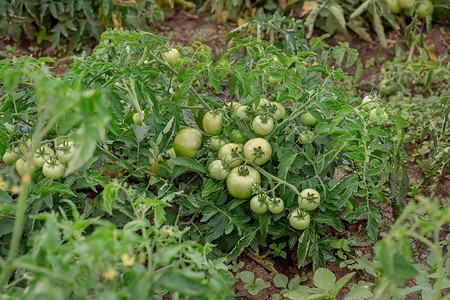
(74, 21)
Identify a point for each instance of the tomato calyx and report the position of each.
(243, 171)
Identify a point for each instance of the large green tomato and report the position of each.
(309, 199)
(258, 150)
(11, 156)
(65, 150)
(217, 170)
(258, 204)
(240, 181)
(213, 123)
(187, 142)
(41, 155)
(262, 125)
(230, 155)
(426, 8)
(172, 56)
(216, 142)
(53, 169)
(299, 219)
(308, 119)
(21, 167)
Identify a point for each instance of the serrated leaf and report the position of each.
(3, 139)
(310, 20)
(379, 29)
(360, 9)
(247, 237)
(189, 163)
(373, 223)
(47, 185)
(338, 14)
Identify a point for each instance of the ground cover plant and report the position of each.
(151, 170)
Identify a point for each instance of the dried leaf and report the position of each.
(307, 7)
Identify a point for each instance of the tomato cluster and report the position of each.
(423, 10)
(52, 164)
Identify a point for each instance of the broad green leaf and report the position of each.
(3, 138)
(47, 185)
(324, 279)
(360, 9)
(189, 163)
(342, 282)
(373, 223)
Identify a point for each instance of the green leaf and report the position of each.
(264, 222)
(189, 163)
(311, 19)
(342, 282)
(280, 281)
(136, 225)
(214, 78)
(303, 245)
(211, 187)
(3, 138)
(379, 29)
(360, 9)
(324, 279)
(373, 223)
(244, 242)
(338, 14)
(47, 185)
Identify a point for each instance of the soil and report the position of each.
(184, 28)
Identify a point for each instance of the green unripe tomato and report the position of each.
(216, 143)
(276, 206)
(258, 150)
(299, 219)
(308, 119)
(41, 155)
(387, 87)
(393, 6)
(11, 156)
(230, 155)
(374, 116)
(262, 103)
(21, 167)
(240, 181)
(426, 8)
(309, 199)
(258, 204)
(242, 112)
(172, 56)
(280, 112)
(370, 105)
(262, 126)
(217, 170)
(137, 118)
(274, 80)
(53, 169)
(23, 148)
(405, 4)
(306, 137)
(187, 142)
(213, 123)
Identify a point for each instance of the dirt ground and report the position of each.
(184, 28)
